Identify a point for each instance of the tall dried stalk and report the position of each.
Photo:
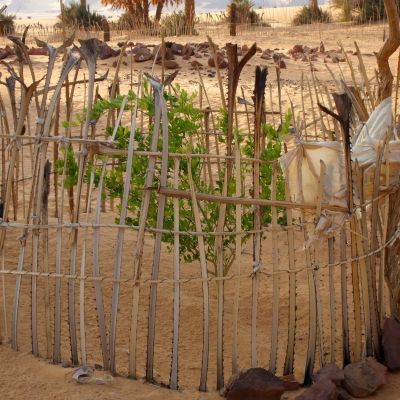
(259, 92)
(203, 265)
(159, 103)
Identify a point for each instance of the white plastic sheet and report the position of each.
(301, 166)
(372, 135)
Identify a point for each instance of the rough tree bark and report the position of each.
(160, 5)
(189, 16)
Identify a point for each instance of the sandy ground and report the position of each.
(22, 376)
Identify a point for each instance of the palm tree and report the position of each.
(313, 4)
(189, 16)
(137, 9)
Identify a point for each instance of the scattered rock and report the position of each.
(324, 389)
(37, 51)
(331, 372)
(254, 384)
(114, 64)
(170, 64)
(4, 53)
(139, 48)
(222, 63)
(290, 383)
(105, 51)
(168, 53)
(391, 343)
(365, 377)
(176, 48)
(297, 48)
(245, 48)
(342, 394)
(203, 46)
(266, 55)
(143, 54)
(187, 50)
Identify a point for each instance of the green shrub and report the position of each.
(75, 15)
(307, 16)
(245, 14)
(6, 24)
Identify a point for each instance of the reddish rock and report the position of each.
(298, 48)
(245, 48)
(331, 372)
(114, 64)
(4, 53)
(37, 51)
(177, 49)
(342, 394)
(290, 383)
(143, 55)
(363, 378)
(222, 63)
(391, 343)
(170, 64)
(139, 48)
(258, 49)
(105, 51)
(168, 53)
(187, 50)
(254, 384)
(324, 389)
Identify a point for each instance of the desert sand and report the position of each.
(23, 376)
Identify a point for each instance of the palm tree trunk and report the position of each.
(314, 7)
(83, 4)
(146, 12)
(189, 16)
(160, 5)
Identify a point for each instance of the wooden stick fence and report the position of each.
(228, 291)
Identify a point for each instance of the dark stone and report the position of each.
(254, 384)
(177, 49)
(324, 389)
(298, 48)
(343, 394)
(105, 51)
(143, 54)
(391, 343)
(169, 64)
(187, 50)
(363, 378)
(222, 63)
(290, 383)
(6, 52)
(331, 372)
